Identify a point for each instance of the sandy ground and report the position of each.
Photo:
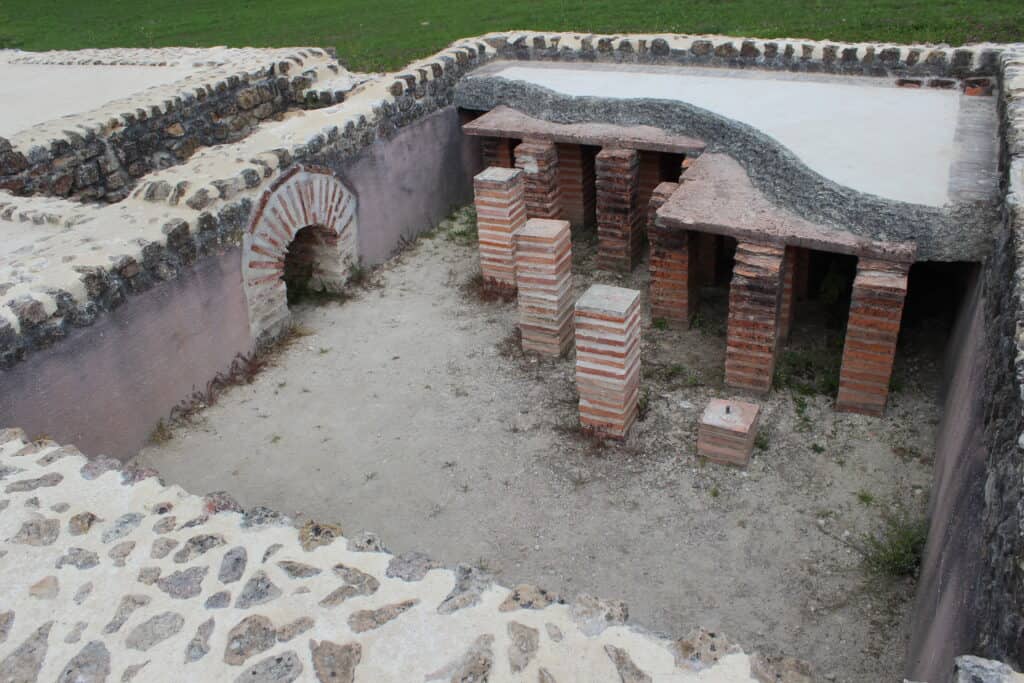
(410, 412)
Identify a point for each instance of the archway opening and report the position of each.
(307, 270)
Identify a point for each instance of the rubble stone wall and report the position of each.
(104, 158)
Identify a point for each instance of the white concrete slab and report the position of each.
(869, 135)
(34, 93)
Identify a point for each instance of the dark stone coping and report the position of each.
(504, 122)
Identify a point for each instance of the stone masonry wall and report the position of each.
(1002, 585)
(103, 158)
(110, 575)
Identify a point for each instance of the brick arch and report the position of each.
(303, 197)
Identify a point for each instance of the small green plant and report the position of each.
(895, 551)
(643, 404)
(715, 492)
(659, 323)
(275, 438)
(161, 433)
(864, 497)
(358, 275)
(817, 448)
(761, 441)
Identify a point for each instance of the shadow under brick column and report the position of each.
(576, 184)
(707, 257)
(544, 276)
(500, 212)
(497, 152)
(754, 302)
(674, 282)
(876, 308)
(619, 216)
(789, 264)
(539, 162)
(608, 359)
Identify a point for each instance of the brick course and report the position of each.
(619, 216)
(727, 430)
(754, 298)
(497, 152)
(872, 331)
(539, 162)
(576, 184)
(789, 264)
(500, 212)
(675, 283)
(608, 359)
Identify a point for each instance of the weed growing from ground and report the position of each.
(895, 550)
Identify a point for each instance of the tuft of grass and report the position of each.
(161, 433)
(715, 492)
(643, 404)
(488, 289)
(659, 323)
(809, 371)
(761, 441)
(895, 550)
(865, 497)
(817, 448)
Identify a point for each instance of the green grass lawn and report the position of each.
(389, 33)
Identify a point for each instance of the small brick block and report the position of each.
(727, 431)
(544, 279)
(620, 220)
(607, 324)
(755, 296)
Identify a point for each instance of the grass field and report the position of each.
(388, 33)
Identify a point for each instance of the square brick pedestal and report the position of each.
(544, 277)
(727, 430)
(619, 216)
(500, 212)
(539, 162)
(876, 308)
(608, 359)
(754, 302)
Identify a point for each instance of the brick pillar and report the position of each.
(788, 292)
(500, 212)
(876, 308)
(497, 152)
(539, 162)
(608, 359)
(619, 216)
(576, 184)
(754, 298)
(674, 282)
(544, 277)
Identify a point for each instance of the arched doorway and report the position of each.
(302, 236)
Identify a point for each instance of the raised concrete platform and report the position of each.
(864, 133)
(504, 122)
(715, 195)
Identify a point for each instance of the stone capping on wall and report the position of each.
(194, 585)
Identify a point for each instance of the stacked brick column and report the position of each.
(608, 359)
(544, 277)
(500, 212)
(539, 162)
(497, 152)
(576, 184)
(876, 308)
(789, 263)
(619, 215)
(754, 301)
(674, 281)
(649, 176)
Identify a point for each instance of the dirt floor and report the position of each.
(408, 410)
